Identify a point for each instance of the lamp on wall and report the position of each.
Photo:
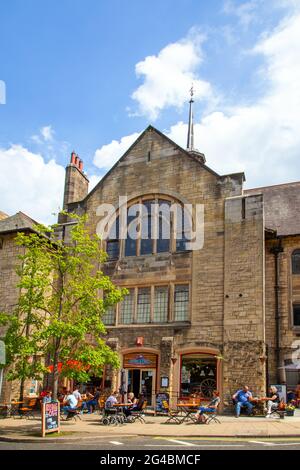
(174, 360)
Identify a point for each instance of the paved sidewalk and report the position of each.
(90, 427)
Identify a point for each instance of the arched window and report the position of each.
(296, 262)
(151, 228)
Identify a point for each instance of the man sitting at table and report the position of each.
(242, 399)
(111, 401)
(212, 406)
(70, 403)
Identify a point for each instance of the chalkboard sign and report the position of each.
(50, 417)
(162, 402)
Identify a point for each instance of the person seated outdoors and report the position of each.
(70, 402)
(132, 402)
(139, 403)
(291, 397)
(210, 408)
(110, 402)
(242, 399)
(93, 402)
(77, 394)
(272, 401)
(48, 397)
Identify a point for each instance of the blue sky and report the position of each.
(90, 75)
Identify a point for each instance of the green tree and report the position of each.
(63, 296)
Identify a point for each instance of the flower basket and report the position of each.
(289, 412)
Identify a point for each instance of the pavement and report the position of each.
(90, 427)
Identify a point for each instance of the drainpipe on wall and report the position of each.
(276, 250)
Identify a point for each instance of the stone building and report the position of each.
(218, 316)
(9, 291)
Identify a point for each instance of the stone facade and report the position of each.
(231, 316)
(231, 324)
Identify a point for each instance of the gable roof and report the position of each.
(150, 128)
(16, 223)
(281, 207)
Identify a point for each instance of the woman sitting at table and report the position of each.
(212, 406)
(132, 402)
(272, 401)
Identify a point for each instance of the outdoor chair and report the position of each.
(73, 414)
(27, 411)
(173, 415)
(138, 415)
(211, 417)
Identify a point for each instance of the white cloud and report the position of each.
(168, 76)
(263, 138)
(245, 12)
(47, 133)
(93, 181)
(29, 184)
(107, 155)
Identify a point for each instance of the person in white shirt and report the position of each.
(111, 401)
(77, 394)
(70, 403)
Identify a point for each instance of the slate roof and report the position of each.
(16, 223)
(282, 207)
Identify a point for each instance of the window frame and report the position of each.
(293, 262)
(173, 242)
(295, 305)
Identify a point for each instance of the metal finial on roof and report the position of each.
(190, 136)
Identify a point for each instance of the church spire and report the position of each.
(190, 136)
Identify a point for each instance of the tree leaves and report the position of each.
(63, 295)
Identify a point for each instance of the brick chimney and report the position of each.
(76, 183)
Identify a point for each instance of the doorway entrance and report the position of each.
(141, 381)
(140, 374)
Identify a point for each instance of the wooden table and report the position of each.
(188, 410)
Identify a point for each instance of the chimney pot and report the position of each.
(80, 165)
(76, 160)
(73, 157)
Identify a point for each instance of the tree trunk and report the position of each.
(55, 376)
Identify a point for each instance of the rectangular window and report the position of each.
(183, 229)
(127, 308)
(109, 317)
(143, 305)
(112, 249)
(132, 224)
(161, 304)
(296, 315)
(181, 302)
(146, 228)
(164, 226)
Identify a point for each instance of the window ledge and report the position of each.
(179, 324)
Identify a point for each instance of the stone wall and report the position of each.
(244, 314)
(289, 292)
(170, 171)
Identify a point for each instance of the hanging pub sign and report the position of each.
(140, 360)
(50, 417)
